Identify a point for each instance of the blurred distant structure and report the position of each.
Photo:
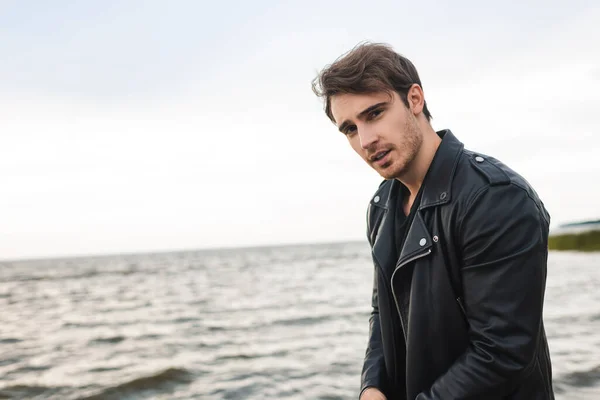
(581, 236)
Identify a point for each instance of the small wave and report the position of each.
(587, 378)
(176, 320)
(164, 380)
(302, 320)
(104, 369)
(10, 340)
(251, 356)
(75, 276)
(216, 328)
(149, 336)
(27, 391)
(67, 324)
(113, 339)
(31, 368)
(8, 361)
(50, 278)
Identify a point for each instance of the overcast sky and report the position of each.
(153, 125)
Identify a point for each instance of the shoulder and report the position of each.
(486, 182)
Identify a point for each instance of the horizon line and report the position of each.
(175, 250)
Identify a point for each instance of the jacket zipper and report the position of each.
(413, 258)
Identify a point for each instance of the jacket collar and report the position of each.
(438, 181)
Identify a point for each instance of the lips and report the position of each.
(379, 155)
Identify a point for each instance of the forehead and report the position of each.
(347, 106)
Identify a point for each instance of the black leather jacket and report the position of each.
(471, 277)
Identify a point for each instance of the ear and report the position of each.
(416, 99)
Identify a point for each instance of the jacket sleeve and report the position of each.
(504, 252)
(373, 372)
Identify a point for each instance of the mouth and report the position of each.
(379, 156)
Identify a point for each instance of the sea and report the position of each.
(287, 322)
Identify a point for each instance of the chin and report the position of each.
(392, 171)
(389, 176)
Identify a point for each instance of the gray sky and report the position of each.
(147, 125)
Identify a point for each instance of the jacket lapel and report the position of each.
(385, 232)
(418, 241)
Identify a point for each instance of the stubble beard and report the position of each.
(401, 164)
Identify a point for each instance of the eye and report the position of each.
(350, 130)
(375, 113)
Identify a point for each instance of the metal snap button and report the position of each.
(443, 195)
(423, 242)
(376, 199)
(479, 159)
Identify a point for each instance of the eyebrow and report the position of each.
(361, 115)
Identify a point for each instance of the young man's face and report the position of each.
(380, 128)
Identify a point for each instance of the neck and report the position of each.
(414, 176)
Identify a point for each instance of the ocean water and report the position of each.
(263, 323)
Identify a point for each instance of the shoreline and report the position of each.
(587, 241)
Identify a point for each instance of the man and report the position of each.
(459, 245)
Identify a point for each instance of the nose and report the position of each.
(367, 136)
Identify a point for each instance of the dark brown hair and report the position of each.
(367, 68)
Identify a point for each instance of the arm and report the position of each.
(504, 251)
(373, 372)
